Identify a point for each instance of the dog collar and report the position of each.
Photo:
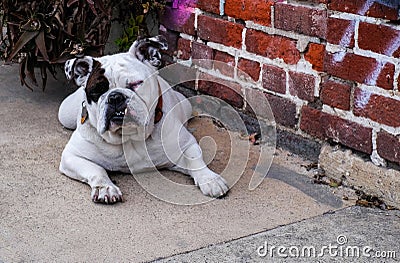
(158, 112)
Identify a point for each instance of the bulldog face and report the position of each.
(121, 90)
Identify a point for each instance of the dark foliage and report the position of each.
(45, 33)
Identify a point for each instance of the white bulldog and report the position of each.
(123, 108)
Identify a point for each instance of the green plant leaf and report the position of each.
(129, 31)
(132, 21)
(135, 30)
(125, 40)
(139, 19)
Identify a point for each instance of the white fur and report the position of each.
(91, 150)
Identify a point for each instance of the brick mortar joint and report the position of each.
(375, 157)
(187, 37)
(381, 92)
(365, 122)
(279, 32)
(377, 56)
(262, 60)
(215, 73)
(356, 31)
(307, 5)
(298, 131)
(357, 17)
(396, 77)
(305, 66)
(334, 48)
(349, 115)
(272, 17)
(257, 86)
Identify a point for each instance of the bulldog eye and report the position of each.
(95, 93)
(133, 85)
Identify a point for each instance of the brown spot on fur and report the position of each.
(97, 83)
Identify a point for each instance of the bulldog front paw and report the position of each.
(212, 184)
(108, 194)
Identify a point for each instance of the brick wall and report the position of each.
(329, 68)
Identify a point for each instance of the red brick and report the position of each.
(385, 40)
(252, 68)
(315, 55)
(227, 67)
(274, 78)
(360, 69)
(202, 52)
(315, 1)
(377, 108)
(225, 90)
(258, 11)
(302, 85)
(301, 19)
(220, 31)
(184, 49)
(180, 20)
(208, 6)
(283, 109)
(272, 46)
(388, 146)
(348, 133)
(323, 125)
(388, 11)
(188, 3)
(181, 75)
(257, 104)
(341, 32)
(336, 94)
(311, 122)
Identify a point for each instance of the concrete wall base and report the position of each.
(354, 171)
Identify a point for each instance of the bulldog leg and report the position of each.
(192, 163)
(103, 190)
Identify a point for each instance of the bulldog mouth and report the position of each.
(118, 116)
(115, 120)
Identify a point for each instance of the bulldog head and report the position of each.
(122, 90)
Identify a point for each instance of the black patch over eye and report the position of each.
(95, 92)
(97, 83)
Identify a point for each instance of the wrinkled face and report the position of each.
(121, 92)
(113, 94)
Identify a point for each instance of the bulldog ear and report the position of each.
(78, 69)
(148, 49)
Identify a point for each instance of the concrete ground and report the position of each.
(47, 217)
(354, 234)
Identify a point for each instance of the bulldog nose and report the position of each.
(116, 99)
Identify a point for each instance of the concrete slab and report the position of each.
(47, 217)
(354, 234)
(353, 171)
